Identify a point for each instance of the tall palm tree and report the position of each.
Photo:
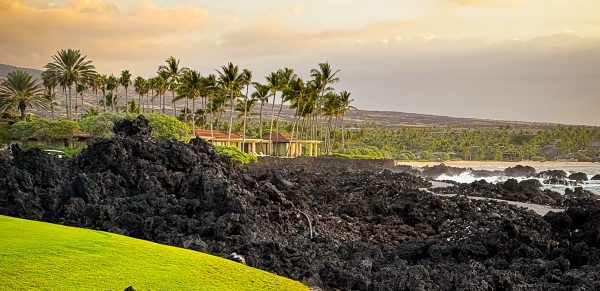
(286, 76)
(344, 106)
(96, 84)
(69, 67)
(162, 87)
(18, 91)
(112, 83)
(331, 107)
(49, 82)
(247, 76)
(125, 81)
(274, 85)
(301, 97)
(191, 88)
(80, 88)
(231, 80)
(261, 94)
(172, 74)
(104, 79)
(139, 86)
(210, 91)
(323, 77)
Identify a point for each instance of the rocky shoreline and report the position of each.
(326, 222)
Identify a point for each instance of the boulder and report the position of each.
(579, 177)
(520, 171)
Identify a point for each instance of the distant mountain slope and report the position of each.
(382, 118)
(5, 69)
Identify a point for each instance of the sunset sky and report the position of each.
(535, 60)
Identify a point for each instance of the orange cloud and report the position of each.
(29, 34)
(496, 3)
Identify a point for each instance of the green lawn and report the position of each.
(43, 256)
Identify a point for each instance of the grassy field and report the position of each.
(43, 256)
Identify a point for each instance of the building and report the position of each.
(283, 145)
(219, 138)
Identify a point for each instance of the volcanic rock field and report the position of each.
(330, 223)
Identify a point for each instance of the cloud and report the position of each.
(494, 3)
(29, 34)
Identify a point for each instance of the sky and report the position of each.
(530, 60)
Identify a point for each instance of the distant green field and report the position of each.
(43, 256)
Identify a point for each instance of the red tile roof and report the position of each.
(205, 133)
(282, 137)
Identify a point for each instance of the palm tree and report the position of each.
(139, 86)
(18, 91)
(50, 83)
(247, 75)
(191, 88)
(172, 74)
(69, 68)
(344, 106)
(301, 97)
(80, 88)
(96, 84)
(125, 81)
(274, 85)
(323, 77)
(261, 94)
(162, 85)
(286, 76)
(104, 79)
(331, 106)
(231, 80)
(210, 91)
(111, 85)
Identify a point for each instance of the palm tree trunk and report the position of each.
(126, 102)
(277, 119)
(260, 123)
(271, 129)
(69, 104)
(174, 104)
(343, 138)
(141, 108)
(194, 116)
(245, 109)
(231, 101)
(187, 107)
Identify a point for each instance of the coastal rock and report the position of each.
(596, 177)
(441, 169)
(553, 174)
(520, 171)
(579, 177)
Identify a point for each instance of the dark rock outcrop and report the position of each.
(579, 177)
(323, 223)
(520, 171)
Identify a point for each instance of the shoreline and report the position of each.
(472, 164)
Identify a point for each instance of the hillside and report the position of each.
(5, 69)
(43, 256)
(354, 117)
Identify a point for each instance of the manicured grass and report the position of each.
(43, 256)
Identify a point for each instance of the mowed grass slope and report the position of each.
(43, 256)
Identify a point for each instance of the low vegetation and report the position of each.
(236, 155)
(43, 256)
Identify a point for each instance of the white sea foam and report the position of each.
(468, 177)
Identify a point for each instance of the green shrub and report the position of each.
(44, 129)
(102, 125)
(236, 155)
(365, 152)
(4, 133)
(165, 126)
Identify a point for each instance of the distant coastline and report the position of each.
(471, 164)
